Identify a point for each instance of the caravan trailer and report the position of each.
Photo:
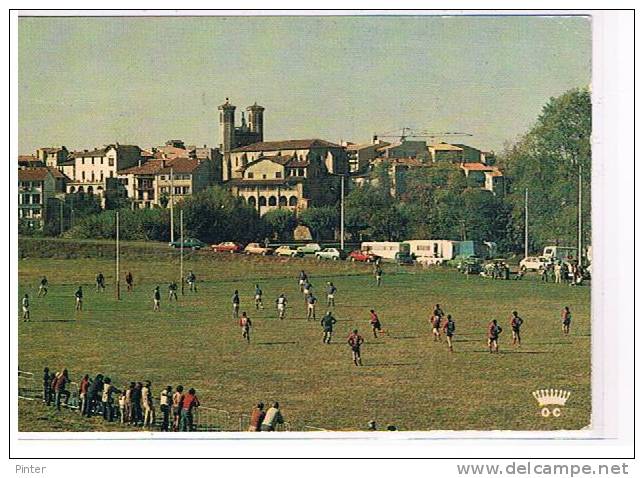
(389, 251)
(435, 251)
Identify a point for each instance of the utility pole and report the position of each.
(342, 213)
(118, 282)
(61, 217)
(525, 246)
(172, 205)
(579, 223)
(181, 253)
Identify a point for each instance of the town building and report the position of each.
(36, 186)
(29, 161)
(359, 156)
(52, 157)
(247, 133)
(158, 182)
(486, 177)
(95, 171)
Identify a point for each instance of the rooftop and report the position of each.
(287, 144)
(33, 174)
(444, 147)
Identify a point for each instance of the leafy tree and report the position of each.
(547, 161)
(321, 220)
(281, 223)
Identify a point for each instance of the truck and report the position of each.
(389, 251)
(559, 253)
(431, 251)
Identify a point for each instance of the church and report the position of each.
(290, 174)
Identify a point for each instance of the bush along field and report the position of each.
(407, 379)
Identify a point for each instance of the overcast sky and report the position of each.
(85, 82)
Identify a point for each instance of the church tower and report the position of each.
(227, 127)
(256, 120)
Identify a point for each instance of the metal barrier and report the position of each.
(28, 388)
(213, 420)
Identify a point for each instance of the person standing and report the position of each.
(164, 406)
(449, 328)
(190, 403)
(95, 388)
(235, 301)
(177, 405)
(46, 386)
(566, 319)
(108, 399)
(172, 292)
(558, 273)
(245, 324)
(129, 280)
(100, 282)
(272, 418)
(79, 298)
(493, 331)
(191, 279)
(157, 299)
(436, 326)
(302, 280)
(137, 410)
(516, 322)
(378, 274)
(26, 316)
(148, 405)
(308, 290)
(128, 403)
(330, 294)
(60, 383)
(256, 418)
(327, 323)
(83, 388)
(374, 321)
(258, 298)
(310, 305)
(281, 306)
(122, 413)
(355, 341)
(42, 287)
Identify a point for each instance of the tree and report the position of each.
(321, 220)
(281, 223)
(546, 160)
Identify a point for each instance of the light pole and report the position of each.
(171, 205)
(525, 246)
(118, 282)
(579, 220)
(342, 213)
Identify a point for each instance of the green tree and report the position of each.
(321, 220)
(546, 161)
(281, 223)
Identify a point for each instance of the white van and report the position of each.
(559, 252)
(431, 251)
(389, 251)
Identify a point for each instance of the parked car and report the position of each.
(470, 265)
(188, 243)
(362, 256)
(330, 253)
(257, 248)
(310, 248)
(533, 263)
(288, 251)
(231, 247)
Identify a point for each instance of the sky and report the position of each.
(86, 82)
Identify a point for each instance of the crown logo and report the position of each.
(551, 397)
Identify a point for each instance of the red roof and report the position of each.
(57, 173)
(33, 174)
(477, 167)
(288, 144)
(163, 166)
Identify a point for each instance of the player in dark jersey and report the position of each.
(129, 280)
(327, 323)
(258, 298)
(302, 279)
(42, 288)
(157, 299)
(436, 319)
(493, 332)
(374, 320)
(516, 322)
(566, 318)
(355, 341)
(449, 328)
(235, 301)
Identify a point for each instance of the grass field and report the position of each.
(407, 379)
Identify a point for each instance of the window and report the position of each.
(101, 160)
(262, 201)
(110, 161)
(177, 189)
(93, 177)
(112, 174)
(283, 201)
(278, 174)
(101, 175)
(35, 199)
(186, 190)
(250, 175)
(263, 176)
(92, 161)
(82, 160)
(83, 175)
(272, 201)
(300, 172)
(292, 201)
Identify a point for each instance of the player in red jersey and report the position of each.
(355, 341)
(375, 323)
(516, 322)
(493, 331)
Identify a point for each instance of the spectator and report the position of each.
(129, 280)
(122, 411)
(79, 298)
(100, 282)
(191, 279)
(42, 288)
(148, 405)
(190, 402)
(83, 388)
(108, 400)
(177, 405)
(93, 395)
(164, 404)
(272, 418)
(256, 418)
(137, 412)
(25, 308)
(59, 387)
(128, 403)
(46, 386)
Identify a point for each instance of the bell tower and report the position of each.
(256, 120)
(227, 127)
